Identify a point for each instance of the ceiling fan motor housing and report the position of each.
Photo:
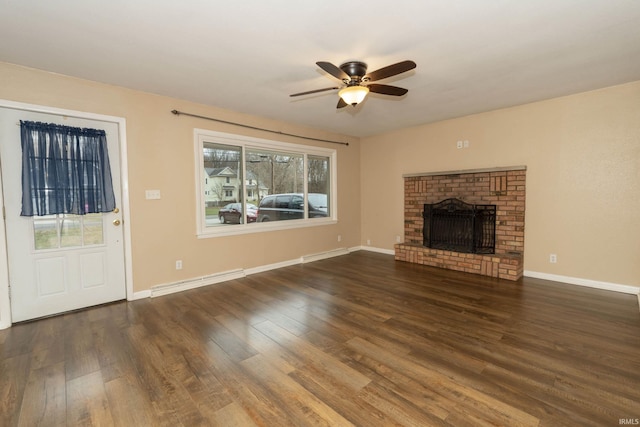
(354, 69)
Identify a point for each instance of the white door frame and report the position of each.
(5, 303)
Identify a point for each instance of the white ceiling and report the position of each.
(249, 55)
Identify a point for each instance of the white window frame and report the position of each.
(248, 143)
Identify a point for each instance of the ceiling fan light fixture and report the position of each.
(353, 95)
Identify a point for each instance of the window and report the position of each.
(281, 181)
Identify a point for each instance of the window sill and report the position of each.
(234, 230)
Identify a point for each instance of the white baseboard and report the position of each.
(607, 286)
(378, 250)
(140, 295)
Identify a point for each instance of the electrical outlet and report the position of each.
(459, 144)
(398, 239)
(339, 238)
(553, 258)
(368, 242)
(179, 264)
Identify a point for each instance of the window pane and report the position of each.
(45, 231)
(274, 172)
(222, 181)
(92, 229)
(319, 186)
(70, 231)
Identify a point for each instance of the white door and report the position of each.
(59, 263)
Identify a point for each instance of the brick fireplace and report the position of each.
(503, 187)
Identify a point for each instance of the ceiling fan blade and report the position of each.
(341, 103)
(390, 70)
(387, 90)
(333, 70)
(314, 91)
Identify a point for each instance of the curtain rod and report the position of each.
(177, 113)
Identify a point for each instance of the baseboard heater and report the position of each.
(324, 255)
(184, 285)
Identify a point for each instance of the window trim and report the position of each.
(247, 143)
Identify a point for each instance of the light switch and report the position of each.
(152, 194)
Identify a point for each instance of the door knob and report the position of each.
(116, 222)
(116, 210)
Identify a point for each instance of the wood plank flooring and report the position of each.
(354, 340)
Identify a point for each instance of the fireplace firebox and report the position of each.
(454, 225)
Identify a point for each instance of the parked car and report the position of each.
(278, 207)
(232, 213)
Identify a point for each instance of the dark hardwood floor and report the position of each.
(355, 340)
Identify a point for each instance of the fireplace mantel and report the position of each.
(467, 171)
(501, 186)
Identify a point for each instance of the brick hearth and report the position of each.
(503, 187)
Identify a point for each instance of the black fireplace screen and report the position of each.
(461, 227)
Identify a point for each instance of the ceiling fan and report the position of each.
(357, 82)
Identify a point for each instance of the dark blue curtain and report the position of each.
(65, 170)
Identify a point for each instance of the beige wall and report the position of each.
(161, 156)
(582, 154)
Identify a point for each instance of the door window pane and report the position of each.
(92, 229)
(70, 231)
(45, 232)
